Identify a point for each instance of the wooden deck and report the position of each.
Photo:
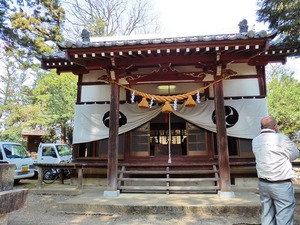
(155, 177)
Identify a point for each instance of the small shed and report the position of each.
(33, 139)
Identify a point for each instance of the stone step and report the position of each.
(245, 203)
(109, 209)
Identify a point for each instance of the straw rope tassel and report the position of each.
(167, 99)
(144, 104)
(190, 102)
(167, 108)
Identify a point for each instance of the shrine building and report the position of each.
(168, 114)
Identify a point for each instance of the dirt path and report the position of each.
(41, 210)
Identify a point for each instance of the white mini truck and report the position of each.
(53, 153)
(15, 153)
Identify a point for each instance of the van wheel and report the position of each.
(16, 181)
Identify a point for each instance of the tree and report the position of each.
(17, 118)
(16, 78)
(4, 30)
(57, 96)
(17, 109)
(26, 28)
(29, 24)
(111, 17)
(283, 98)
(48, 104)
(283, 17)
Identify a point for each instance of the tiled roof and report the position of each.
(159, 39)
(148, 39)
(56, 55)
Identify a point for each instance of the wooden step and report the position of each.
(170, 188)
(167, 179)
(168, 172)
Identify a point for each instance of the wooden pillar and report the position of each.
(40, 177)
(75, 150)
(113, 142)
(80, 178)
(222, 144)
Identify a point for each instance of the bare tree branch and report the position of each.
(111, 17)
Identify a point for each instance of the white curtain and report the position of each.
(249, 113)
(89, 125)
(243, 118)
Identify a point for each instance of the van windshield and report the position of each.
(64, 150)
(15, 151)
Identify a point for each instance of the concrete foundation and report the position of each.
(111, 194)
(223, 194)
(10, 199)
(92, 202)
(7, 173)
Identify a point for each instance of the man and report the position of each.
(274, 153)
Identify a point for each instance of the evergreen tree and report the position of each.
(282, 17)
(29, 24)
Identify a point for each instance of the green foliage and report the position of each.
(27, 27)
(18, 117)
(29, 24)
(57, 96)
(6, 34)
(48, 104)
(16, 109)
(282, 16)
(14, 78)
(283, 99)
(97, 27)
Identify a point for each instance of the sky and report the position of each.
(207, 17)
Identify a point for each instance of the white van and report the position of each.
(15, 153)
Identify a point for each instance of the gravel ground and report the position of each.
(41, 210)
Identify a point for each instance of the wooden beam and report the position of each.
(260, 71)
(139, 61)
(264, 60)
(205, 60)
